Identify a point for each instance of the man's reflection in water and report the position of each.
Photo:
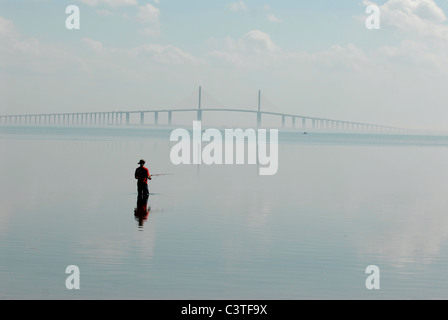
(141, 211)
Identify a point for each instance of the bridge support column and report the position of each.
(199, 116)
(293, 120)
(156, 118)
(283, 121)
(142, 118)
(127, 118)
(170, 117)
(258, 119)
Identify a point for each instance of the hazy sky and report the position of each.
(314, 58)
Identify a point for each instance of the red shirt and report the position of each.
(142, 174)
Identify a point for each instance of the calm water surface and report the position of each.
(338, 204)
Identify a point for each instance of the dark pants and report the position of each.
(143, 191)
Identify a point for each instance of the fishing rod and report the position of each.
(161, 174)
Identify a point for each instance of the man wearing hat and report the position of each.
(142, 175)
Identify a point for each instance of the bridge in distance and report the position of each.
(123, 118)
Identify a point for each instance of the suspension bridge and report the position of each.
(153, 117)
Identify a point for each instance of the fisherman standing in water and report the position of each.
(142, 175)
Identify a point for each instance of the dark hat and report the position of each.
(142, 161)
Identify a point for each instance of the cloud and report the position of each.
(253, 49)
(238, 6)
(339, 59)
(273, 18)
(7, 28)
(270, 16)
(167, 54)
(149, 14)
(95, 45)
(20, 53)
(151, 32)
(105, 12)
(416, 18)
(111, 3)
(259, 41)
(422, 34)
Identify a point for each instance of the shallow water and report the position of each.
(337, 204)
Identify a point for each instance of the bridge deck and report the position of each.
(116, 117)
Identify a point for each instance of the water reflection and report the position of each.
(141, 212)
